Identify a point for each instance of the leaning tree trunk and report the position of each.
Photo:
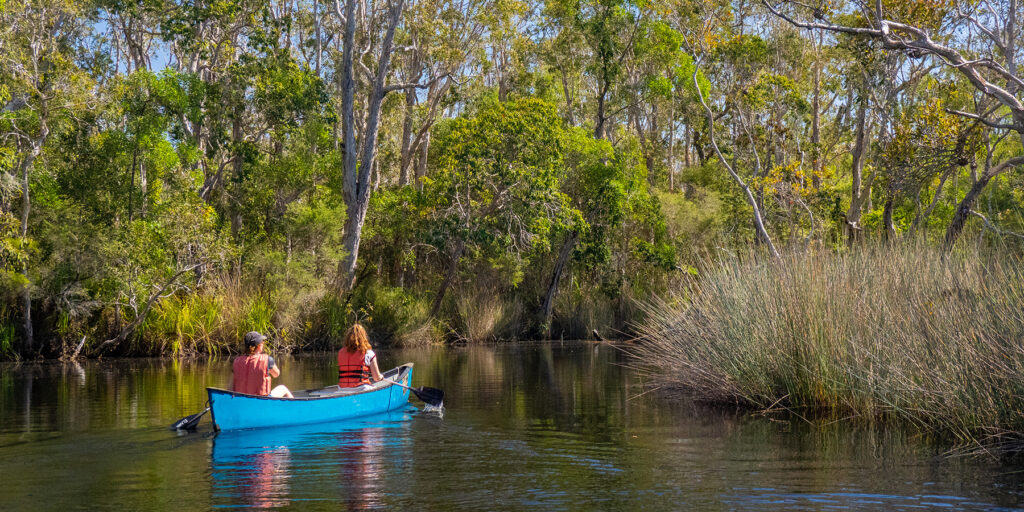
(759, 225)
(129, 329)
(556, 276)
(449, 278)
(963, 210)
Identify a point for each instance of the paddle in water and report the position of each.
(189, 422)
(429, 396)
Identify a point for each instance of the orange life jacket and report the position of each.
(251, 374)
(352, 369)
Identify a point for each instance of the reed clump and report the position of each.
(483, 315)
(879, 332)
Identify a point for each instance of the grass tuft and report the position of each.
(903, 332)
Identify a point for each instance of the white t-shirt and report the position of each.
(369, 357)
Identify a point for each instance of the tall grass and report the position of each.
(879, 332)
(582, 311)
(209, 322)
(397, 315)
(484, 315)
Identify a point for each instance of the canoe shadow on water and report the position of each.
(337, 460)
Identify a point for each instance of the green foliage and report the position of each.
(189, 324)
(496, 185)
(178, 165)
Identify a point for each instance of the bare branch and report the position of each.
(1004, 165)
(890, 35)
(415, 85)
(994, 228)
(987, 122)
(141, 316)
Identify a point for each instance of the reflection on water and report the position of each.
(258, 480)
(256, 468)
(533, 426)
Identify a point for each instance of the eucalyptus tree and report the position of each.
(976, 40)
(600, 180)
(109, 240)
(133, 30)
(42, 87)
(442, 38)
(211, 50)
(376, 24)
(601, 35)
(703, 41)
(507, 44)
(651, 76)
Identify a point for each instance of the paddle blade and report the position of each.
(189, 422)
(429, 396)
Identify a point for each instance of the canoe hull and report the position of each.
(233, 411)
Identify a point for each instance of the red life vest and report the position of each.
(251, 374)
(352, 369)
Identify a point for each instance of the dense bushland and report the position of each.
(175, 173)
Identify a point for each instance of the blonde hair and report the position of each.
(356, 339)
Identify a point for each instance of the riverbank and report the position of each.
(878, 333)
(212, 321)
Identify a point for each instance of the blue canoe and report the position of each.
(232, 411)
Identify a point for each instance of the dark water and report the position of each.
(525, 427)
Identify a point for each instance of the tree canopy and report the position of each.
(176, 173)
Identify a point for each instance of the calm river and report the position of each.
(525, 427)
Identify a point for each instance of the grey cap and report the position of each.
(253, 338)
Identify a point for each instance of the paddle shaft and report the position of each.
(400, 384)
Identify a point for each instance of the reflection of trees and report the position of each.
(558, 417)
(573, 387)
(131, 393)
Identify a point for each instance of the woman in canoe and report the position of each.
(357, 363)
(253, 371)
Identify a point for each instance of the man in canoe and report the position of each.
(357, 363)
(253, 371)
